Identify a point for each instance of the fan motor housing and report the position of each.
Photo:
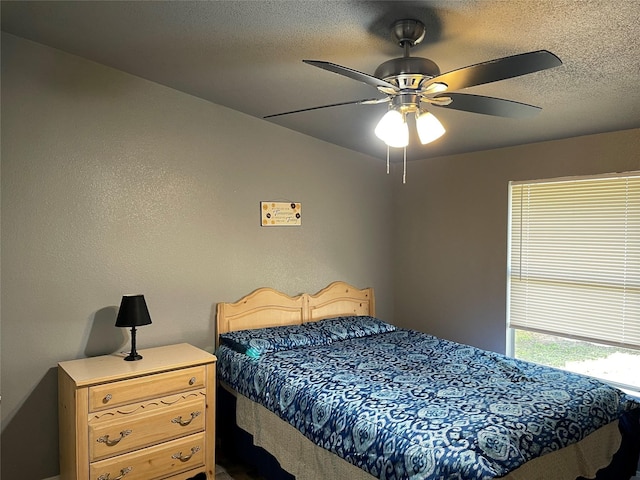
(406, 68)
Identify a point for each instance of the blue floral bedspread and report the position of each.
(407, 405)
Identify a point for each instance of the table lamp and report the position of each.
(133, 313)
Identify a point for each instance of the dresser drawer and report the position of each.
(155, 462)
(147, 424)
(109, 395)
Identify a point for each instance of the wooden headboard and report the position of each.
(267, 307)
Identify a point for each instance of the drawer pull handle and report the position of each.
(179, 421)
(192, 380)
(111, 443)
(178, 456)
(107, 397)
(123, 472)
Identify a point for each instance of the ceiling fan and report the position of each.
(413, 83)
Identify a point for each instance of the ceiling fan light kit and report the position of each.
(411, 83)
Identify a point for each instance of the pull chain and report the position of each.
(404, 167)
(387, 159)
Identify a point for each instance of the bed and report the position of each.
(330, 391)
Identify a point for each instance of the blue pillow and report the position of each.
(354, 326)
(272, 339)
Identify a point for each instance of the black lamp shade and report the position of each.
(133, 312)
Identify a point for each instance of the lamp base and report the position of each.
(132, 357)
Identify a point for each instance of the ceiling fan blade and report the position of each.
(498, 69)
(354, 74)
(370, 101)
(489, 105)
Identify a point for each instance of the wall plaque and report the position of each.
(280, 214)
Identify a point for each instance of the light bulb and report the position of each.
(393, 130)
(429, 128)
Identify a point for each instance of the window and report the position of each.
(574, 273)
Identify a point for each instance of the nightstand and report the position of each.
(143, 420)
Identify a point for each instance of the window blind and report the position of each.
(574, 267)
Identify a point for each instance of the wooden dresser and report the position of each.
(144, 420)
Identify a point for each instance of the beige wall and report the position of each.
(451, 230)
(112, 184)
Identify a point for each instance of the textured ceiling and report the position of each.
(247, 55)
